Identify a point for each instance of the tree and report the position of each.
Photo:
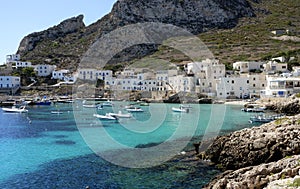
(28, 72)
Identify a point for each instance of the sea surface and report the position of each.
(74, 149)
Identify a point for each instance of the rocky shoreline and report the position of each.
(262, 156)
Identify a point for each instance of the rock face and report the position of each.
(264, 175)
(193, 15)
(66, 43)
(248, 147)
(258, 157)
(68, 26)
(287, 106)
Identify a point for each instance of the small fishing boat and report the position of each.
(261, 118)
(105, 117)
(185, 106)
(144, 104)
(253, 108)
(56, 112)
(120, 115)
(14, 109)
(135, 109)
(107, 103)
(90, 106)
(180, 109)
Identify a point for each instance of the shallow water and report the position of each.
(44, 150)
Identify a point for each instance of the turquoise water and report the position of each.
(44, 150)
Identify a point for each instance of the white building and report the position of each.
(141, 81)
(241, 86)
(246, 67)
(9, 84)
(19, 64)
(281, 87)
(13, 58)
(234, 87)
(162, 78)
(206, 73)
(44, 70)
(94, 74)
(273, 67)
(60, 74)
(257, 83)
(296, 71)
(279, 59)
(181, 83)
(15, 62)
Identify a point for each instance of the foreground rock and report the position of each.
(289, 106)
(258, 156)
(271, 175)
(269, 142)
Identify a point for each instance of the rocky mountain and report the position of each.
(65, 44)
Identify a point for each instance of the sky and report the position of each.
(20, 18)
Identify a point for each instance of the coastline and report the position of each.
(260, 156)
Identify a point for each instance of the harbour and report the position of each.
(39, 147)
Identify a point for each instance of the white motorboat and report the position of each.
(261, 118)
(185, 106)
(56, 112)
(107, 103)
(180, 109)
(120, 115)
(135, 109)
(14, 109)
(105, 117)
(89, 105)
(253, 108)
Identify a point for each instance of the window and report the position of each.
(247, 81)
(263, 85)
(232, 81)
(253, 78)
(253, 85)
(220, 93)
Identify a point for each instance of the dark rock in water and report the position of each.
(205, 101)
(248, 147)
(65, 142)
(147, 145)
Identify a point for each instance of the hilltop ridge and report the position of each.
(65, 44)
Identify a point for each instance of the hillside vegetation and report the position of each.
(251, 38)
(233, 30)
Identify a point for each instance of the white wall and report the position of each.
(9, 82)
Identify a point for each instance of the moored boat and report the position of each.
(253, 108)
(261, 118)
(105, 117)
(120, 115)
(14, 109)
(135, 109)
(180, 109)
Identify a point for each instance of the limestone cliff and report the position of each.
(68, 26)
(65, 43)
